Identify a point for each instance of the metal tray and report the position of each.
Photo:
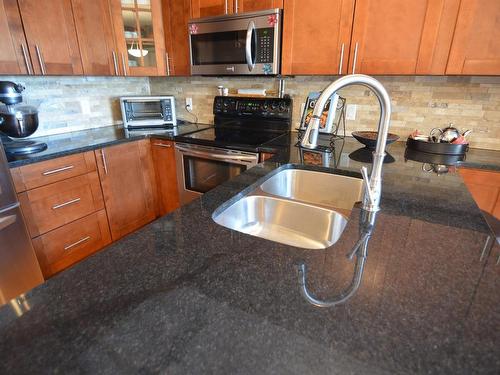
(436, 148)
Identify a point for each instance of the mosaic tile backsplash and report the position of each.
(77, 103)
(418, 102)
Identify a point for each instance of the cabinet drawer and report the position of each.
(54, 205)
(67, 245)
(50, 171)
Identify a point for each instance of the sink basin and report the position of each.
(288, 222)
(325, 189)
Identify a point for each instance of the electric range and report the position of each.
(211, 156)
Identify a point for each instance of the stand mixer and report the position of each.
(17, 121)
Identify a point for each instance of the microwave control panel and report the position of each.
(265, 45)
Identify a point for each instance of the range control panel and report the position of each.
(278, 108)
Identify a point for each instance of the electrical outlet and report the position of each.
(189, 104)
(351, 112)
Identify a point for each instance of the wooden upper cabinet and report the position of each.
(175, 20)
(476, 43)
(12, 41)
(210, 8)
(51, 35)
(139, 35)
(314, 35)
(128, 185)
(95, 37)
(242, 6)
(402, 37)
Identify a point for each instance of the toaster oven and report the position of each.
(146, 111)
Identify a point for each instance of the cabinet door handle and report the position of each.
(162, 145)
(61, 205)
(124, 65)
(355, 58)
(25, 56)
(341, 59)
(225, 7)
(235, 6)
(104, 164)
(62, 169)
(115, 62)
(40, 59)
(168, 63)
(76, 243)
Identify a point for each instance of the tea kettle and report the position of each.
(448, 134)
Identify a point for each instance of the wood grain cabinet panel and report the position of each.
(210, 8)
(12, 41)
(242, 6)
(476, 43)
(51, 206)
(166, 177)
(95, 37)
(402, 37)
(51, 35)
(316, 36)
(71, 243)
(484, 187)
(128, 184)
(47, 172)
(176, 15)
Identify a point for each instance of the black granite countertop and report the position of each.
(85, 140)
(185, 295)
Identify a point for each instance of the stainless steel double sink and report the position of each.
(302, 208)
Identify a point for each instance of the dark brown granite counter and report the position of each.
(185, 295)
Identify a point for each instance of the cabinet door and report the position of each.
(127, 180)
(476, 43)
(211, 8)
(241, 6)
(95, 37)
(314, 35)
(12, 41)
(51, 35)
(402, 37)
(138, 28)
(484, 187)
(175, 19)
(166, 176)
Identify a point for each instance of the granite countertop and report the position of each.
(85, 140)
(185, 295)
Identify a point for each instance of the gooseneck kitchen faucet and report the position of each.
(373, 184)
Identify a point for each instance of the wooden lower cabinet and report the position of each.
(485, 189)
(128, 185)
(62, 247)
(166, 176)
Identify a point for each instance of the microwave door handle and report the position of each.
(248, 46)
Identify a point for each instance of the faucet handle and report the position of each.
(366, 180)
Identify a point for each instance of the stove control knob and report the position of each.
(282, 107)
(274, 106)
(265, 106)
(225, 103)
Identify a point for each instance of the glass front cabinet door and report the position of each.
(139, 35)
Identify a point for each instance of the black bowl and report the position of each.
(369, 138)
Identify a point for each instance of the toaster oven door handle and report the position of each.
(248, 46)
(215, 156)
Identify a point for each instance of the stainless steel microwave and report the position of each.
(146, 111)
(245, 43)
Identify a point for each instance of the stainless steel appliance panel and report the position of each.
(7, 193)
(248, 43)
(202, 168)
(142, 111)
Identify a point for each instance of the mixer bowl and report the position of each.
(19, 122)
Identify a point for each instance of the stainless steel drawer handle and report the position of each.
(77, 243)
(66, 203)
(62, 169)
(162, 145)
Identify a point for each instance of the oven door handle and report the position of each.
(210, 155)
(248, 46)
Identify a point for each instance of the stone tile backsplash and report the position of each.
(419, 102)
(77, 103)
